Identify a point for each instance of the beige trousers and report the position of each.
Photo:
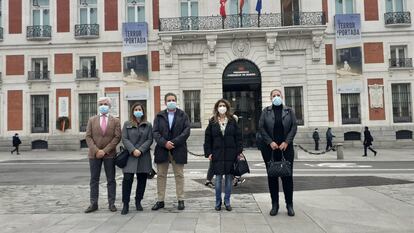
(162, 170)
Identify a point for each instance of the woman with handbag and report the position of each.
(277, 126)
(222, 145)
(137, 139)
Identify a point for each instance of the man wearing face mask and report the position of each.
(277, 126)
(171, 131)
(103, 133)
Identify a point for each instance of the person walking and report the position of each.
(103, 134)
(316, 138)
(277, 126)
(329, 138)
(16, 142)
(368, 139)
(171, 131)
(137, 139)
(222, 144)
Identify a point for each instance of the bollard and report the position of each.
(339, 151)
(295, 149)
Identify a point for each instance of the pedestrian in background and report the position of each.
(316, 138)
(103, 134)
(222, 144)
(16, 142)
(171, 131)
(277, 126)
(329, 138)
(137, 139)
(368, 139)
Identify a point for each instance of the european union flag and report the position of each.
(259, 6)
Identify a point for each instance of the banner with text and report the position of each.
(135, 37)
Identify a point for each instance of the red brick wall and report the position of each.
(329, 54)
(371, 10)
(63, 63)
(155, 14)
(325, 9)
(64, 93)
(155, 60)
(63, 15)
(15, 64)
(373, 52)
(15, 16)
(111, 15)
(157, 100)
(376, 114)
(111, 62)
(14, 110)
(329, 87)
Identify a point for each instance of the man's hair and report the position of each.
(274, 91)
(105, 98)
(170, 94)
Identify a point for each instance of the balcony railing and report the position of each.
(242, 21)
(402, 119)
(38, 75)
(87, 30)
(1, 33)
(85, 74)
(397, 18)
(401, 63)
(39, 32)
(351, 120)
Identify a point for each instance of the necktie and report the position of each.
(103, 124)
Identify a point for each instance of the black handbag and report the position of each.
(279, 168)
(121, 158)
(241, 166)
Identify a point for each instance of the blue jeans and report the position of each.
(227, 189)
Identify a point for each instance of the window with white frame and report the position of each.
(394, 5)
(40, 113)
(351, 108)
(88, 107)
(88, 67)
(192, 107)
(39, 68)
(136, 10)
(40, 12)
(398, 56)
(88, 12)
(235, 9)
(189, 8)
(294, 99)
(344, 6)
(401, 102)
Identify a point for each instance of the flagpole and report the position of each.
(258, 20)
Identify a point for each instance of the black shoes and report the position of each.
(274, 210)
(138, 206)
(364, 155)
(180, 205)
(112, 208)
(228, 207)
(158, 205)
(375, 153)
(91, 208)
(290, 210)
(125, 209)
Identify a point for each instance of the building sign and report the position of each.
(136, 94)
(348, 53)
(241, 69)
(376, 93)
(63, 107)
(135, 37)
(114, 110)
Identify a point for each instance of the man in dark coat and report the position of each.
(171, 131)
(329, 138)
(16, 143)
(368, 139)
(316, 138)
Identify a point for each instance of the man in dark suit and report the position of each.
(171, 131)
(368, 139)
(103, 133)
(16, 143)
(316, 138)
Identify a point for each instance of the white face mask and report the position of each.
(222, 110)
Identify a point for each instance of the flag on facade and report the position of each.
(241, 6)
(223, 8)
(259, 6)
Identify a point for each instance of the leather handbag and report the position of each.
(121, 158)
(279, 168)
(241, 166)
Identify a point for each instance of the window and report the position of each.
(88, 107)
(394, 5)
(399, 56)
(88, 12)
(88, 67)
(192, 107)
(294, 99)
(351, 110)
(290, 12)
(401, 102)
(234, 7)
(136, 10)
(1, 14)
(136, 67)
(39, 69)
(40, 12)
(189, 8)
(40, 113)
(344, 6)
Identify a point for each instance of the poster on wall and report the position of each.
(135, 37)
(348, 53)
(114, 110)
(63, 107)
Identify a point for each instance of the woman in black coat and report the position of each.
(277, 126)
(222, 145)
(368, 139)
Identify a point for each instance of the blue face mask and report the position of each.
(277, 101)
(138, 114)
(171, 105)
(103, 109)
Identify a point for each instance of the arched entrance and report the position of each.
(242, 87)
